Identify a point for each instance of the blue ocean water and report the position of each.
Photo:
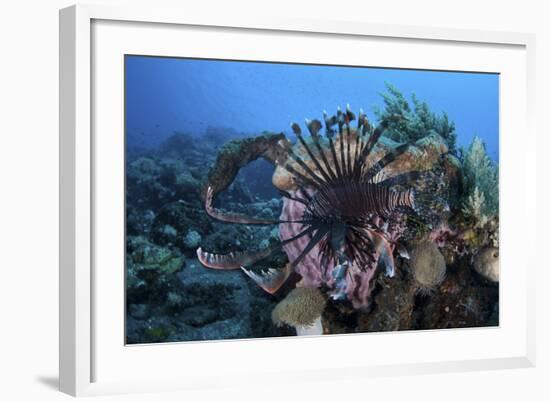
(164, 95)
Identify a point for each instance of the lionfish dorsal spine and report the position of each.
(316, 141)
(346, 164)
(324, 174)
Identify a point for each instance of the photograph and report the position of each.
(276, 199)
(254, 201)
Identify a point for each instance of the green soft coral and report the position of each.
(417, 121)
(480, 183)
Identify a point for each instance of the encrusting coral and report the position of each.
(148, 256)
(301, 309)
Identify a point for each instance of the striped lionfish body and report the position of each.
(348, 201)
(343, 217)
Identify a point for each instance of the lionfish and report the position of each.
(342, 220)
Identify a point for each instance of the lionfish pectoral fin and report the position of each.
(317, 237)
(270, 280)
(385, 253)
(386, 258)
(340, 284)
(230, 217)
(215, 261)
(233, 260)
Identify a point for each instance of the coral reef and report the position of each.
(170, 297)
(192, 239)
(148, 256)
(198, 304)
(429, 261)
(464, 299)
(175, 220)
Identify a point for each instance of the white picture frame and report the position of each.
(83, 323)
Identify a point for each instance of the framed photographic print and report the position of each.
(242, 189)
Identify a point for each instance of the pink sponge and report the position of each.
(346, 280)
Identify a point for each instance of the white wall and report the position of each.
(28, 200)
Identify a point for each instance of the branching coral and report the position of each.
(480, 183)
(417, 121)
(474, 206)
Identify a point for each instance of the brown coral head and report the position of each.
(486, 263)
(428, 266)
(301, 308)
